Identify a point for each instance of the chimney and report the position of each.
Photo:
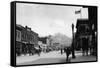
(27, 28)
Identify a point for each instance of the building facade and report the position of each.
(83, 33)
(87, 31)
(26, 40)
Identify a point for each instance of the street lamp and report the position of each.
(73, 52)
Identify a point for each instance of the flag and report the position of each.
(77, 12)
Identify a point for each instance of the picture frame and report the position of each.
(52, 33)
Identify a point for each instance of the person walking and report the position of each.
(61, 51)
(85, 46)
(67, 50)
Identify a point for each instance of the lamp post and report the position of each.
(73, 52)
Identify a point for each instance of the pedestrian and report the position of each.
(85, 46)
(67, 50)
(39, 51)
(61, 51)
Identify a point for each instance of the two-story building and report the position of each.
(26, 40)
(83, 33)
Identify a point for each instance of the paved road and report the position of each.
(56, 57)
(60, 60)
(45, 61)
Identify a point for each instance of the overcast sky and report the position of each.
(49, 19)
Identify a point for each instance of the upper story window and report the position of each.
(83, 29)
(18, 35)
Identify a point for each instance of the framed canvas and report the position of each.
(52, 33)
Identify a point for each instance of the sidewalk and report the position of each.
(84, 58)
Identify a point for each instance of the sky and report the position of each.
(49, 19)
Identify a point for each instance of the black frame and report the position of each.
(13, 31)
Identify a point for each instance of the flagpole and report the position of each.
(73, 44)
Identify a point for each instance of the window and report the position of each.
(18, 35)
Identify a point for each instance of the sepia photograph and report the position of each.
(54, 33)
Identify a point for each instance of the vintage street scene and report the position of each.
(48, 34)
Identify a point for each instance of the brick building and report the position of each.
(87, 31)
(83, 33)
(26, 40)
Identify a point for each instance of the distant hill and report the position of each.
(62, 39)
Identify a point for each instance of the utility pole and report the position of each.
(73, 52)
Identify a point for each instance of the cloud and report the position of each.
(59, 23)
(47, 19)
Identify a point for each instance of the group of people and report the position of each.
(68, 50)
(25, 49)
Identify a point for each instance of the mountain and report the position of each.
(62, 39)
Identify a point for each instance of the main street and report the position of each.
(52, 57)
